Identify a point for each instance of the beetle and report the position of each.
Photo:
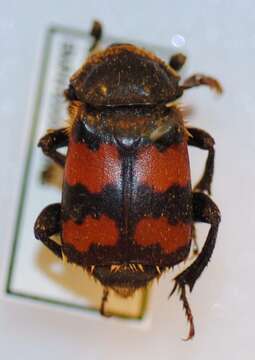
(128, 211)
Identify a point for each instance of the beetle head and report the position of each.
(124, 75)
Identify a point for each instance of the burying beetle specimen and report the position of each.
(128, 210)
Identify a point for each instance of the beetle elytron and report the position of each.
(128, 210)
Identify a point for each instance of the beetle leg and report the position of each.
(195, 250)
(186, 308)
(200, 79)
(52, 174)
(204, 210)
(203, 140)
(103, 302)
(177, 61)
(51, 142)
(96, 33)
(48, 224)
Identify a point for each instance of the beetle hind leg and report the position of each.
(48, 224)
(186, 307)
(103, 302)
(204, 210)
(195, 247)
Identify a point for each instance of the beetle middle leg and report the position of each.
(52, 174)
(203, 140)
(53, 141)
(48, 224)
(204, 210)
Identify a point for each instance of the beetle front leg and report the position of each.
(203, 140)
(96, 33)
(200, 79)
(53, 141)
(48, 224)
(204, 210)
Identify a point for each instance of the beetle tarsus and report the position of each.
(52, 175)
(173, 290)
(188, 313)
(103, 302)
(179, 287)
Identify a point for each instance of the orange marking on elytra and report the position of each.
(102, 231)
(160, 170)
(92, 168)
(150, 231)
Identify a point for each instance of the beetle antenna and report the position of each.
(200, 79)
(177, 61)
(96, 33)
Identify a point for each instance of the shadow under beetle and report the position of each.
(128, 210)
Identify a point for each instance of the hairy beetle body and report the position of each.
(133, 195)
(128, 210)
